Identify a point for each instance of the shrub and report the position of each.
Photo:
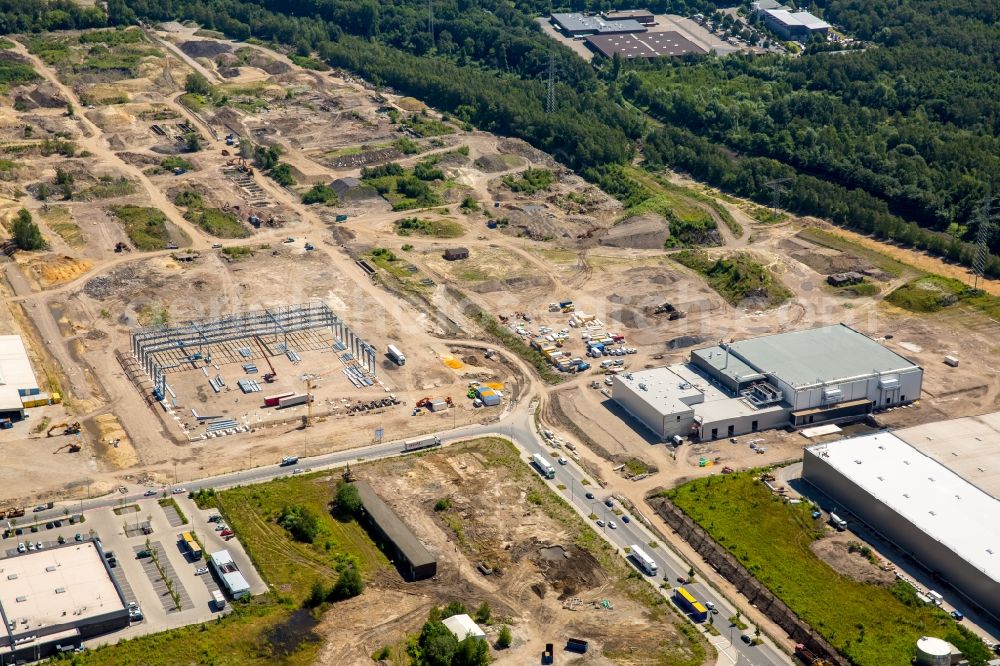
(27, 236)
(349, 584)
(505, 638)
(300, 522)
(442, 504)
(348, 499)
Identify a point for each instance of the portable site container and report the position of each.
(295, 399)
(272, 400)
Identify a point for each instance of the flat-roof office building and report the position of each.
(579, 25)
(799, 378)
(52, 599)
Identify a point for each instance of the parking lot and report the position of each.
(147, 549)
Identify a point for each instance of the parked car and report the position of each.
(38, 545)
(31, 546)
(21, 547)
(626, 519)
(214, 518)
(48, 526)
(297, 470)
(226, 533)
(609, 503)
(143, 553)
(57, 523)
(590, 495)
(201, 571)
(957, 614)
(78, 537)
(600, 523)
(221, 526)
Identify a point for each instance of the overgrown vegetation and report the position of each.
(738, 278)
(530, 181)
(320, 193)
(869, 624)
(438, 228)
(931, 293)
(146, 227)
(405, 189)
(215, 221)
(300, 521)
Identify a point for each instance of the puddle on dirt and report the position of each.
(287, 637)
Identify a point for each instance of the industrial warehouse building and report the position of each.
(410, 556)
(580, 25)
(17, 380)
(944, 521)
(643, 16)
(800, 378)
(53, 599)
(645, 45)
(794, 25)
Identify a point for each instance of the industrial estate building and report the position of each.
(800, 378)
(410, 556)
(580, 25)
(645, 45)
(53, 599)
(18, 387)
(643, 16)
(794, 25)
(229, 573)
(945, 521)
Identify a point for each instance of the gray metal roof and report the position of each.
(827, 354)
(727, 364)
(393, 528)
(576, 22)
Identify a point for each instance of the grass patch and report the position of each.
(320, 193)
(107, 188)
(406, 189)
(146, 227)
(244, 636)
(175, 162)
(737, 278)
(530, 181)
(445, 228)
(834, 241)
(60, 221)
(292, 567)
(870, 625)
(764, 215)
(128, 508)
(219, 223)
(931, 293)
(15, 73)
(309, 63)
(170, 501)
(635, 467)
(237, 252)
(423, 126)
(859, 290)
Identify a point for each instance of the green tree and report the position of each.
(300, 521)
(471, 652)
(69, 110)
(483, 613)
(505, 638)
(349, 584)
(453, 608)
(317, 595)
(191, 142)
(27, 236)
(197, 84)
(348, 499)
(437, 644)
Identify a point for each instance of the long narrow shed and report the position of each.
(413, 559)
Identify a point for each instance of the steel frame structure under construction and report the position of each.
(277, 322)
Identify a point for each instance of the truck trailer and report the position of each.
(687, 603)
(293, 400)
(544, 467)
(395, 355)
(425, 443)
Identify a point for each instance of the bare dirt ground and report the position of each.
(834, 550)
(544, 586)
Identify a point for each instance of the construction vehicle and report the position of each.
(272, 375)
(68, 429)
(122, 247)
(11, 512)
(807, 657)
(348, 475)
(73, 447)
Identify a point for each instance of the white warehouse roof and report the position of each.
(15, 372)
(934, 499)
(462, 627)
(805, 19)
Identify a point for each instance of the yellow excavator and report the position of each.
(68, 429)
(74, 447)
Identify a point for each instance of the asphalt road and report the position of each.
(518, 425)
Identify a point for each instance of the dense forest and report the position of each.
(899, 140)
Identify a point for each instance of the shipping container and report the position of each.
(293, 400)
(218, 600)
(272, 400)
